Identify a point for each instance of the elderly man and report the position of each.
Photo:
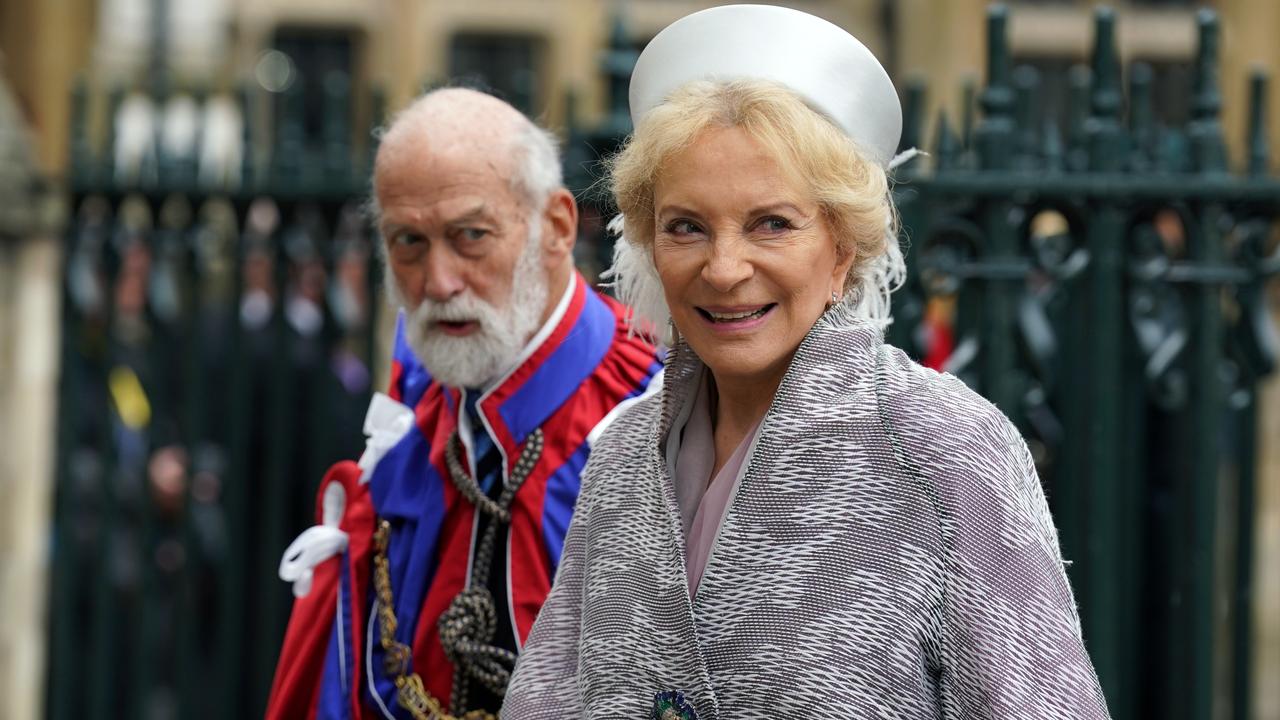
(433, 555)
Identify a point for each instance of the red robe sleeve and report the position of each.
(301, 669)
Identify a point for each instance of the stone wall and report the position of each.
(30, 282)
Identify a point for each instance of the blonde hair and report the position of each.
(852, 191)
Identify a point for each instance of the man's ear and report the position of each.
(559, 227)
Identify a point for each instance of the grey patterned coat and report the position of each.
(888, 554)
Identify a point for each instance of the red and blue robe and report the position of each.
(585, 367)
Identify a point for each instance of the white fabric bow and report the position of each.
(386, 422)
(316, 544)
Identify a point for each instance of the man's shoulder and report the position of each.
(631, 426)
(630, 357)
(622, 323)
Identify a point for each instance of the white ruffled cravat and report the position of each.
(386, 422)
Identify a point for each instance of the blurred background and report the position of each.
(191, 325)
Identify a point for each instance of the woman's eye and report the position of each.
(774, 224)
(682, 227)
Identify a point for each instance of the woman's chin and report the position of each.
(747, 362)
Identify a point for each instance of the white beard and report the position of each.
(477, 359)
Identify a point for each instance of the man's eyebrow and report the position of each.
(479, 212)
(389, 229)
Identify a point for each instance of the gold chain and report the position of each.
(410, 691)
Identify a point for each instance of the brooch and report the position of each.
(671, 705)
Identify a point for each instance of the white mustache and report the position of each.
(464, 308)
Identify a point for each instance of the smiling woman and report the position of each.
(747, 265)
(803, 522)
(805, 150)
(748, 262)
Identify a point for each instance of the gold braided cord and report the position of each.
(410, 691)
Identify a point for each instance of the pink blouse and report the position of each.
(703, 499)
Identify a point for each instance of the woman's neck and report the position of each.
(737, 406)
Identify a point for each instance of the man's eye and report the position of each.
(405, 239)
(473, 234)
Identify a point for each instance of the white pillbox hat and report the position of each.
(828, 68)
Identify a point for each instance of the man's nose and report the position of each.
(443, 277)
(727, 264)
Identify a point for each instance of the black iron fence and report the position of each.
(1105, 285)
(218, 354)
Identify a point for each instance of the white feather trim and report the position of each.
(905, 157)
(634, 279)
(879, 279)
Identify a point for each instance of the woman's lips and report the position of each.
(735, 318)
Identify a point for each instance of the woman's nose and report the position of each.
(727, 264)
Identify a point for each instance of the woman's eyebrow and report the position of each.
(679, 210)
(775, 207)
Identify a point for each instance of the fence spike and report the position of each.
(992, 136)
(912, 115)
(968, 103)
(1054, 152)
(946, 147)
(286, 158)
(200, 94)
(377, 116)
(997, 96)
(81, 152)
(1107, 148)
(1080, 88)
(1205, 130)
(1026, 83)
(337, 131)
(1106, 67)
(248, 176)
(571, 119)
(1259, 152)
(1141, 117)
(108, 158)
(1173, 151)
(1206, 99)
(618, 62)
(574, 157)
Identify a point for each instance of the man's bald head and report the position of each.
(465, 123)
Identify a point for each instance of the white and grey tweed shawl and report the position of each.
(888, 554)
